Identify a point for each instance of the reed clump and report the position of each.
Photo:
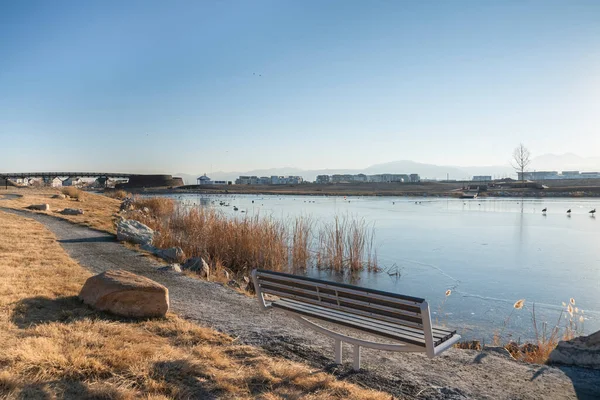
(240, 244)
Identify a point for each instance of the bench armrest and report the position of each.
(259, 294)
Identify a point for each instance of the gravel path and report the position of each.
(457, 374)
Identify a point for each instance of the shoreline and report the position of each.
(353, 193)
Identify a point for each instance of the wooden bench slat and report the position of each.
(350, 324)
(343, 308)
(437, 333)
(401, 299)
(344, 299)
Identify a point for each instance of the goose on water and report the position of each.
(569, 211)
(593, 211)
(544, 210)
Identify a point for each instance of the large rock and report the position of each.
(133, 231)
(126, 294)
(583, 351)
(170, 254)
(39, 207)
(72, 211)
(197, 265)
(59, 196)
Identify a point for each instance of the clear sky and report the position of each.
(189, 86)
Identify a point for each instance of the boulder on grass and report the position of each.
(133, 231)
(583, 351)
(59, 196)
(197, 265)
(39, 207)
(125, 294)
(72, 211)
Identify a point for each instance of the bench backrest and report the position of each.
(390, 307)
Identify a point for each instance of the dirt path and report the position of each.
(457, 374)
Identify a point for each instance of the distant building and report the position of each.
(589, 175)
(322, 179)
(482, 178)
(570, 175)
(538, 175)
(415, 178)
(52, 182)
(72, 182)
(265, 180)
(204, 180)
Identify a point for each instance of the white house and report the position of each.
(72, 182)
(204, 180)
(52, 182)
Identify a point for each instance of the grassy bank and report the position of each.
(54, 346)
(99, 211)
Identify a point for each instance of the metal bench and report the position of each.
(402, 319)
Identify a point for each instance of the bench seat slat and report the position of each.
(340, 287)
(342, 308)
(437, 332)
(322, 295)
(350, 323)
(343, 293)
(360, 321)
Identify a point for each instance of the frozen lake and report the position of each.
(489, 252)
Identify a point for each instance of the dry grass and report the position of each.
(74, 193)
(116, 194)
(243, 243)
(55, 347)
(99, 211)
(159, 207)
(569, 325)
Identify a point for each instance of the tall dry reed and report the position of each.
(243, 243)
(346, 245)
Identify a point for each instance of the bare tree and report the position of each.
(521, 160)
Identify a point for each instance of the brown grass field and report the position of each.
(99, 211)
(53, 346)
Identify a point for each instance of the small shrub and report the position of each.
(117, 194)
(159, 207)
(73, 193)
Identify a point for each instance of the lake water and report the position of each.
(489, 252)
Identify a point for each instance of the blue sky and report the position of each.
(193, 86)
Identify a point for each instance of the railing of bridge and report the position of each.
(16, 175)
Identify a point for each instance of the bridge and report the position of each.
(138, 180)
(102, 176)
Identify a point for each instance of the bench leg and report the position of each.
(337, 348)
(356, 365)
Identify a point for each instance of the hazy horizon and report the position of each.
(239, 86)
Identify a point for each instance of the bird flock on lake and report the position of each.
(592, 212)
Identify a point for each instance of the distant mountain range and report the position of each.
(552, 162)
